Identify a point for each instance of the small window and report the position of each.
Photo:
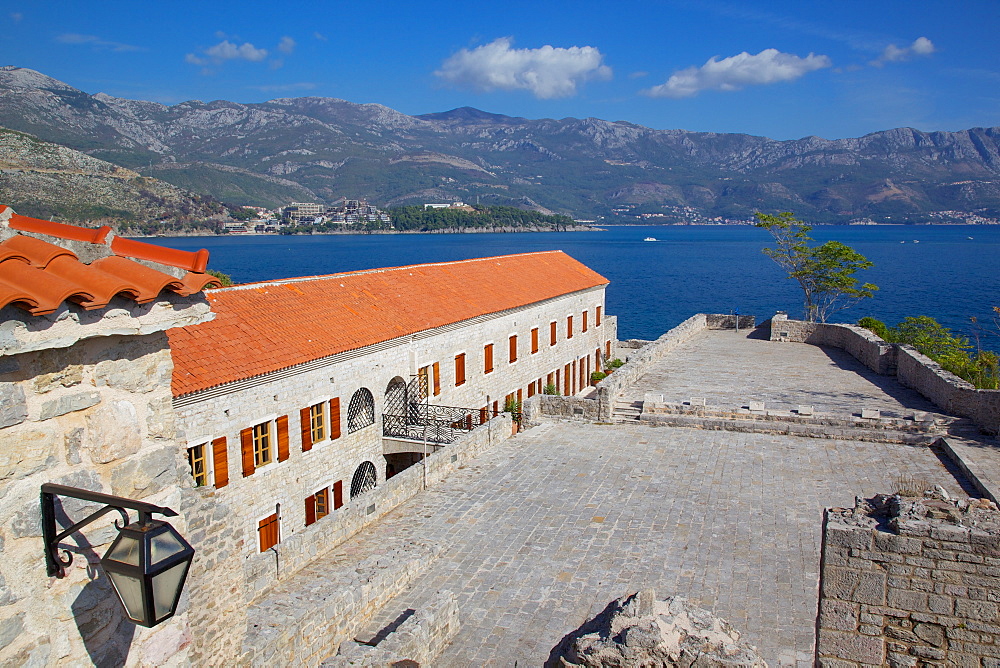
(322, 503)
(459, 369)
(569, 327)
(534, 340)
(583, 325)
(423, 382)
(199, 466)
(262, 444)
(267, 530)
(317, 422)
(437, 378)
(361, 410)
(512, 352)
(488, 358)
(552, 333)
(597, 317)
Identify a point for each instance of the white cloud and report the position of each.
(893, 54)
(286, 45)
(95, 42)
(225, 51)
(736, 72)
(548, 72)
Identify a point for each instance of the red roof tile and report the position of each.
(264, 327)
(38, 276)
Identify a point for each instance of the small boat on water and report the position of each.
(650, 239)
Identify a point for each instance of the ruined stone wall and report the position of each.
(908, 581)
(95, 415)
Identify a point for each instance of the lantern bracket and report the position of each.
(55, 564)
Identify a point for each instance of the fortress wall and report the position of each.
(911, 368)
(903, 581)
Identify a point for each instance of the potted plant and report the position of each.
(597, 377)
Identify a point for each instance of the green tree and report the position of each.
(825, 273)
(225, 279)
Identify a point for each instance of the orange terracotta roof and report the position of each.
(263, 327)
(38, 276)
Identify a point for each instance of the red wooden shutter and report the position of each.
(569, 327)
(338, 494)
(334, 418)
(583, 325)
(482, 414)
(305, 427)
(459, 369)
(597, 318)
(607, 349)
(310, 509)
(220, 462)
(534, 340)
(282, 438)
(552, 333)
(268, 529)
(437, 378)
(513, 348)
(488, 358)
(246, 449)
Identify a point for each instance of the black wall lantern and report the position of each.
(147, 563)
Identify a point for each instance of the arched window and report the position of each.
(361, 410)
(364, 479)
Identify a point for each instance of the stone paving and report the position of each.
(731, 369)
(541, 533)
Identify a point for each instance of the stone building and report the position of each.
(271, 416)
(302, 396)
(85, 402)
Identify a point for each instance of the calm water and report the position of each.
(691, 269)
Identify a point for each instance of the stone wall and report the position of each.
(904, 582)
(420, 638)
(911, 368)
(97, 415)
(282, 624)
(723, 321)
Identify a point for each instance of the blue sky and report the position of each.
(779, 69)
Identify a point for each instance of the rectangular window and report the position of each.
(317, 422)
(583, 325)
(267, 529)
(597, 317)
(512, 352)
(569, 327)
(488, 358)
(322, 503)
(552, 333)
(534, 340)
(531, 389)
(338, 494)
(459, 369)
(437, 378)
(423, 382)
(199, 469)
(607, 349)
(262, 444)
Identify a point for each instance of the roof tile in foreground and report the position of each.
(39, 275)
(264, 327)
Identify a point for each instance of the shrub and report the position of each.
(616, 363)
(551, 389)
(598, 376)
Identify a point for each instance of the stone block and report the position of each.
(931, 633)
(697, 401)
(942, 605)
(113, 432)
(146, 474)
(871, 413)
(805, 410)
(756, 406)
(980, 610)
(68, 404)
(10, 628)
(13, 406)
(890, 542)
(851, 646)
(26, 451)
(144, 374)
(67, 376)
(842, 535)
(908, 600)
(838, 615)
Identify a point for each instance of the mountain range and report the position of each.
(313, 148)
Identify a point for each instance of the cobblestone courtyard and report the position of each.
(544, 531)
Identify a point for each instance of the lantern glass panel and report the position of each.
(163, 545)
(166, 588)
(125, 550)
(130, 592)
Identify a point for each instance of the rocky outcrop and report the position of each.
(639, 630)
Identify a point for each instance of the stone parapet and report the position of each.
(911, 368)
(906, 581)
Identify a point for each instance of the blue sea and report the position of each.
(951, 273)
